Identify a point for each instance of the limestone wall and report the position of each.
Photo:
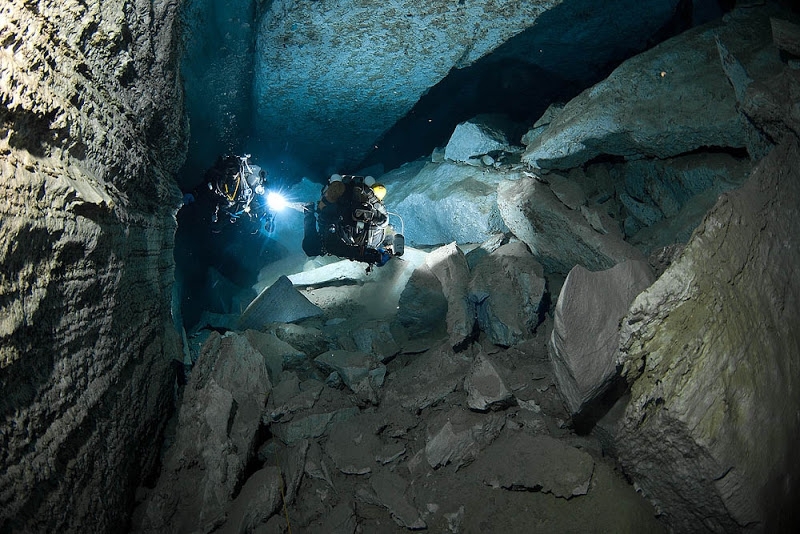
(711, 352)
(91, 133)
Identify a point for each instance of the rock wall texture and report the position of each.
(217, 67)
(91, 133)
(337, 75)
(711, 351)
(670, 100)
(443, 202)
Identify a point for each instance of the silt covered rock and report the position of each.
(507, 288)
(710, 352)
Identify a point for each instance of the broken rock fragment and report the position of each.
(352, 366)
(259, 499)
(479, 136)
(485, 387)
(583, 345)
(389, 490)
(558, 236)
(449, 265)
(536, 463)
(458, 436)
(279, 303)
(310, 426)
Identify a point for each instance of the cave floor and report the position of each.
(463, 495)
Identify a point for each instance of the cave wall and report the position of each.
(92, 133)
(217, 68)
(332, 77)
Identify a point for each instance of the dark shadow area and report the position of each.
(217, 263)
(217, 68)
(550, 62)
(520, 90)
(585, 421)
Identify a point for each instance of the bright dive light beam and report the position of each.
(275, 201)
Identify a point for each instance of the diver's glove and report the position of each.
(384, 257)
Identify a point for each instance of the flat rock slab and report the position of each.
(583, 344)
(353, 445)
(279, 303)
(390, 491)
(428, 379)
(536, 463)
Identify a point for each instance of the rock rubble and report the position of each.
(351, 440)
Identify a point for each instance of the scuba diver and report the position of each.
(350, 221)
(238, 191)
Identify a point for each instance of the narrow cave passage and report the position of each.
(219, 263)
(595, 294)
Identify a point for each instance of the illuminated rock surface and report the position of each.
(708, 352)
(585, 336)
(667, 101)
(92, 134)
(419, 394)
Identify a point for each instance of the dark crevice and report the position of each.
(254, 463)
(736, 152)
(739, 153)
(585, 421)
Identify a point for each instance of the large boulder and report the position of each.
(710, 351)
(449, 265)
(507, 287)
(347, 71)
(583, 344)
(478, 137)
(670, 100)
(217, 426)
(444, 202)
(558, 236)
